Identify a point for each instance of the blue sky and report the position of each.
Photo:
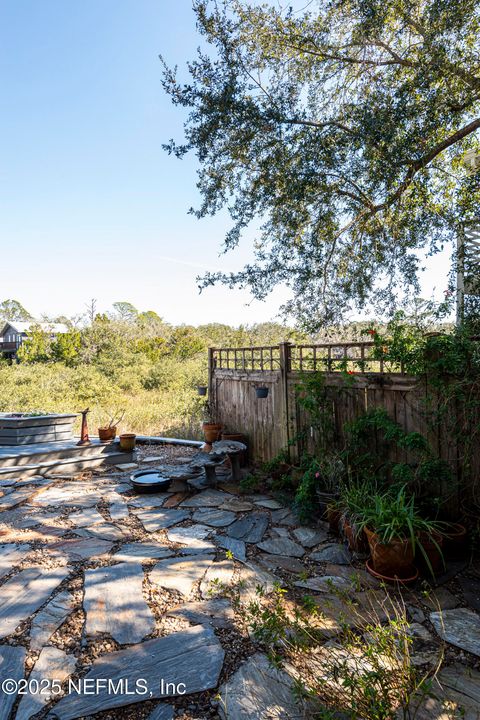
(90, 204)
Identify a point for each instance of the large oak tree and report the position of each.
(342, 130)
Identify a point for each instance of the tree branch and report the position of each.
(318, 125)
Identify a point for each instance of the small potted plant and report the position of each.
(211, 429)
(107, 433)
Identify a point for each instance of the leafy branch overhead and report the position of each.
(341, 129)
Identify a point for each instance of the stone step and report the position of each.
(64, 457)
(13, 455)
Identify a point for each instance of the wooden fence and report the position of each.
(355, 383)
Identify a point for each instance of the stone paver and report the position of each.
(75, 494)
(253, 577)
(24, 593)
(460, 627)
(81, 549)
(50, 618)
(15, 497)
(281, 546)
(324, 583)
(269, 503)
(454, 694)
(12, 666)
(218, 577)
(149, 500)
(114, 603)
(284, 517)
(217, 612)
(206, 498)
(333, 553)
(140, 552)
(236, 505)
(236, 547)
(52, 664)
(104, 531)
(180, 574)
(193, 537)
(440, 599)
(86, 518)
(214, 517)
(290, 564)
(126, 467)
(257, 690)
(10, 556)
(191, 660)
(309, 537)
(250, 529)
(153, 520)
(118, 511)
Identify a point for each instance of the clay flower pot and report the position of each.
(393, 560)
(127, 441)
(107, 434)
(432, 547)
(357, 541)
(333, 518)
(212, 431)
(395, 579)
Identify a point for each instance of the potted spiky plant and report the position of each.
(395, 532)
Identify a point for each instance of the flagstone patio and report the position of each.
(100, 585)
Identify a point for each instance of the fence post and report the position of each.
(284, 372)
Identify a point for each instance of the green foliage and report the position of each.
(314, 398)
(122, 360)
(12, 310)
(366, 458)
(353, 158)
(66, 347)
(366, 671)
(37, 348)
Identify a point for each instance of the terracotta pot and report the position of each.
(238, 437)
(127, 441)
(432, 546)
(333, 517)
(454, 541)
(393, 580)
(394, 560)
(357, 541)
(107, 434)
(212, 431)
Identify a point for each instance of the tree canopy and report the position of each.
(341, 129)
(13, 310)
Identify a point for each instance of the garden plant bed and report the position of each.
(25, 429)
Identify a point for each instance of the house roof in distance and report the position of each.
(25, 327)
